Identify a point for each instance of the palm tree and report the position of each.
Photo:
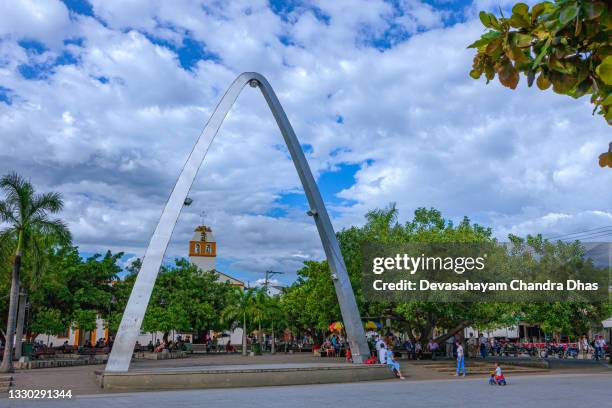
(275, 316)
(34, 262)
(6, 249)
(26, 214)
(259, 312)
(238, 310)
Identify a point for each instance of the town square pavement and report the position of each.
(556, 390)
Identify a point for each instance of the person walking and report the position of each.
(460, 360)
(600, 344)
(583, 344)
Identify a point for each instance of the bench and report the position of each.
(92, 351)
(44, 353)
(66, 349)
(424, 355)
(307, 348)
(511, 352)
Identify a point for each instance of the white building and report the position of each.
(203, 254)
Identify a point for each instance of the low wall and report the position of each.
(200, 378)
(160, 356)
(547, 362)
(517, 361)
(48, 363)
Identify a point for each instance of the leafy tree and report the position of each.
(311, 300)
(186, 299)
(79, 289)
(564, 44)
(122, 290)
(569, 317)
(419, 319)
(27, 216)
(49, 322)
(32, 266)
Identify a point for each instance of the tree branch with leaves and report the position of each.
(566, 44)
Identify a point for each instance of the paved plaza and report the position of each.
(82, 379)
(571, 386)
(557, 390)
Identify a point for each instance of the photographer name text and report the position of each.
(469, 286)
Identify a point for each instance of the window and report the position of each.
(208, 249)
(197, 248)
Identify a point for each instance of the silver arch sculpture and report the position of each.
(129, 328)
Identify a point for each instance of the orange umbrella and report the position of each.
(370, 325)
(336, 326)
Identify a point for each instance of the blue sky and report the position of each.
(103, 100)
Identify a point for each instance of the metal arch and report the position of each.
(121, 354)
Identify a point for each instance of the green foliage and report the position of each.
(238, 308)
(66, 289)
(259, 307)
(26, 214)
(79, 289)
(275, 316)
(48, 321)
(186, 299)
(561, 317)
(566, 44)
(6, 250)
(84, 319)
(310, 303)
(564, 317)
(24, 220)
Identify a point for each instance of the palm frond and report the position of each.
(7, 247)
(39, 244)
(7, 238)
(7, 212)
(51, 202)
(18, 191)
(54, 229)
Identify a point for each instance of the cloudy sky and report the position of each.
(103, 100)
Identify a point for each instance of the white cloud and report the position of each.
(594, 226)
(112, 132)
(44, 20)
(262, 282)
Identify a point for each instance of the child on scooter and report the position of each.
(496, 376)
